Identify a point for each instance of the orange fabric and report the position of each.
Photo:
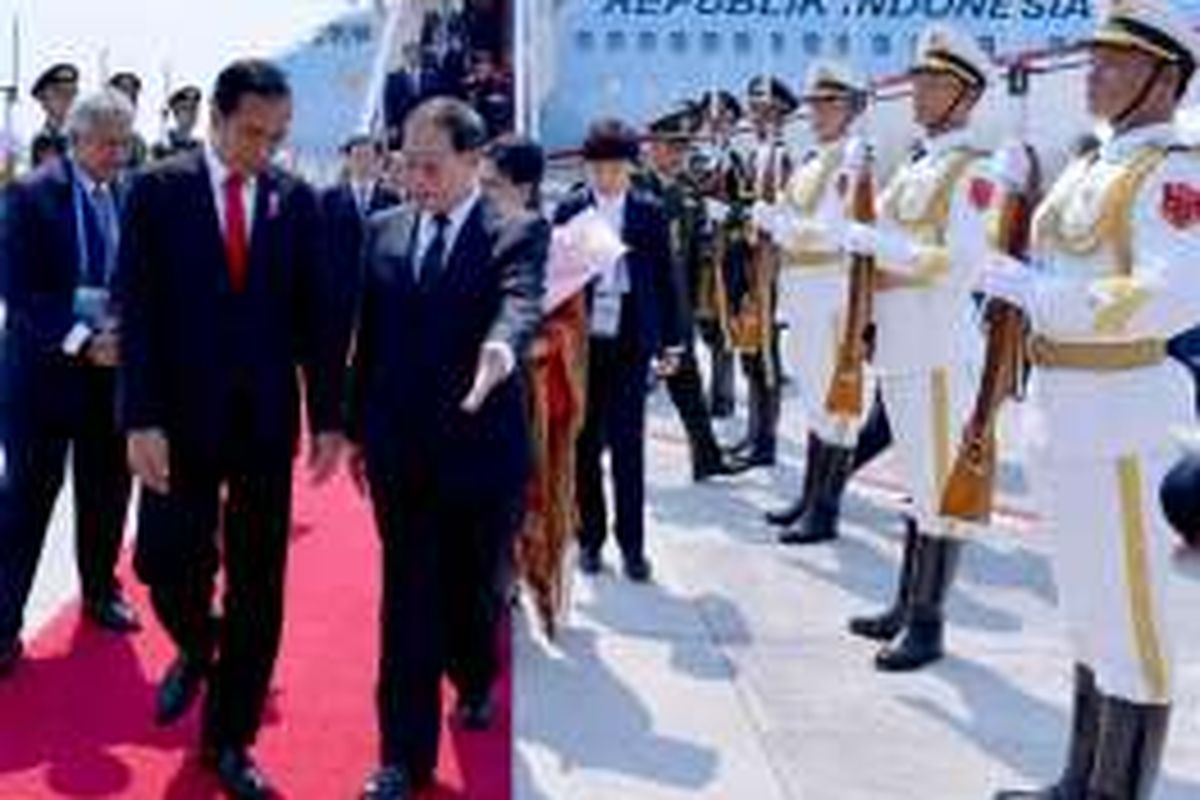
(558, 395)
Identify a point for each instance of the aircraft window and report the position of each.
(988, 43)
(1057, 43)
(614, 41)
(647, 41)
(842, 44)
(678, 41)
(812, 43)
(778, 42)
(585, 40)
(742, 42)
(881, 44)
(710, 42)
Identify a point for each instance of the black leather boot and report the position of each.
(875, 436)
(921, 641)
(1129, 749)
(721, 398)
(884, 626)
(820, 520)
(785, 517)
(1081, 751)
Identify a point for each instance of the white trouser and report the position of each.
(1112, 564)
(810, 301)
(927, 409)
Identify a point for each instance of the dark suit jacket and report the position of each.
(345, 227)
(654, 304)
(192, 347)
(41, 273)
(416, 351)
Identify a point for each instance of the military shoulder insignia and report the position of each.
(1180, 205)
(981, 193)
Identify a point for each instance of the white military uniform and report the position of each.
(929, 345)
(814, 281)
(1116, 242)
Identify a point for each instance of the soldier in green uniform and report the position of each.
(723, 178)
(55, 90)
(667, 177)
(184, 105)
(130, 85)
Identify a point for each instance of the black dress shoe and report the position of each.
(751, 459)
(388, 783)
(239, 776)
(10, 654)
(475, 715)
(715, 467)
(590, 562)
(178, 690)
(113, 613)
(638, 570)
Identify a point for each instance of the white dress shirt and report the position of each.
(218, 173)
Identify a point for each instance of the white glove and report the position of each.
(1012, 164)
(867, 240)
(1009, 279)
(763, 215)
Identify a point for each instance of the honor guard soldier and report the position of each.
(669, 145)
(1114, 243)
(55, 90)
(929, 245)
(184, 106)
(130, 85)
(807, 222)
(724, 177)
(751, 285)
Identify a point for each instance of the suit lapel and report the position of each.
(266, 202)
(208, 218)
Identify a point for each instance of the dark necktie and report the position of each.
(434, 256)
(97, 246)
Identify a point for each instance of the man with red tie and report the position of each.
(224, 289)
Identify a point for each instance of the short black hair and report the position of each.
(521, 160)
(249, 76)
(461, 123)
(610, 140)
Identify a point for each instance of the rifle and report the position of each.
(845, 397)
(970, 489)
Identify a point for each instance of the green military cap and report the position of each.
(58, 74)
(773, 90)
(184, 96)
(678, 123)
(127, 82)
(719, 99)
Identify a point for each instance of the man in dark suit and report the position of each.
(224, 289)
(62, 248)
(451, 300)
(348, 205)
(635, 317)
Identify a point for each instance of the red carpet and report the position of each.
(75, 720)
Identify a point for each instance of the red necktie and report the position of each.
(236, 240)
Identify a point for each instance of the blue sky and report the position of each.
(190, 40)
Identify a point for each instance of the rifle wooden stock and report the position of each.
(847, 387)
(969, 493)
